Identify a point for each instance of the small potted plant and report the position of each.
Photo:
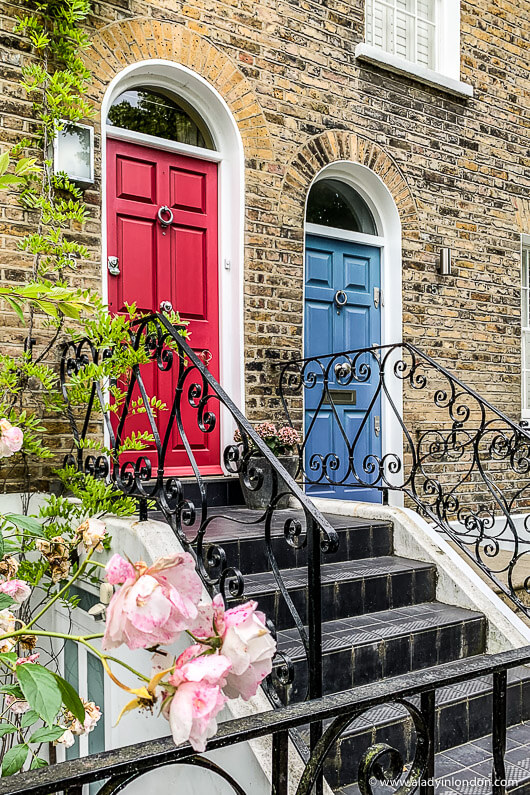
(283, 443)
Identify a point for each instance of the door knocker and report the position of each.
(341, 299)
(168, 219)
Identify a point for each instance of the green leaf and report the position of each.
(29, 718)
(4, 162)
(14, 759)
(70, 698)
(6, 728)
(46, 734)
(12, 690)
(8, 656)
(40, 690)
(27, 523)
(37, 762)
(15, 306)
(5, 601)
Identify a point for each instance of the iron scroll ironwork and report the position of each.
(379, 764)
(197, 399)
(463, 464)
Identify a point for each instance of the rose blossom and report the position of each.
(7, 625)
(91, 533)
(155, 603)
(92, 715)
(193, 708)
(18, 590)
(246, 642)
(11, 439)
(17, 705)
(31, 659)
(67, 739)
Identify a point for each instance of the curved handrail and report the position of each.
(465, 466)
(155, 342)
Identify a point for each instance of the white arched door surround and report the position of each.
(388, 239)
(228, 153)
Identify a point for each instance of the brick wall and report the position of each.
(458, 169)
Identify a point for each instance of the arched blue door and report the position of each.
(332, 265)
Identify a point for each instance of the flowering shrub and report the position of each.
(282, 441)
(152, 606)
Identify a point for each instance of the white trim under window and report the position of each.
(525, 327)
(419, 38)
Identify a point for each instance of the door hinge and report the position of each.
(113, 264)
(377, 424)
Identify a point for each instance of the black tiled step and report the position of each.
(463, 714)
(349, 588)
(242, 536)
(466, 769)
(367, 648)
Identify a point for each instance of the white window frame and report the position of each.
(525, 252)
(446, 74)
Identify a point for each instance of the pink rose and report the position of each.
(16, 705)
(250, 647)
(155, 603)
(11, 439)
(193, 708)
(31, 659)
(246, 642)
(118, 570)
(18, 590)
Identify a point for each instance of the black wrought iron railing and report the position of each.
(390, 418)
(179, 434)
(414, 693)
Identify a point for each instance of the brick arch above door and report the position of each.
(124, 43)
(340, 145)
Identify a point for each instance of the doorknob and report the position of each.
(168, 219)
(166, 306)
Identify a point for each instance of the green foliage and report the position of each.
(14, 759)
(40, 689)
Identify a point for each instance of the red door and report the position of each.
(176, 263)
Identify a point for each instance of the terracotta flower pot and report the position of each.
(261, 498)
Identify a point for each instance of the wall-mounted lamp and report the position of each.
(444, 264)
(73, 153)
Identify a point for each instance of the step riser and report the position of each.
(250, 554)
(348, 598)
(456, 724)
(363, 664)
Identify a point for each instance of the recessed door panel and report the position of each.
(341, 315)
(135, 180)
(188, 190)
(176, 262)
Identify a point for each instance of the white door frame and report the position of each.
(212, 108)
(381, 203)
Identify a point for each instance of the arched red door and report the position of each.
(177, 262)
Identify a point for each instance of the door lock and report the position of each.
(113, 265)
(377, 425)
(377, 297)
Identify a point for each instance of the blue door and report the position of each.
(354, 272)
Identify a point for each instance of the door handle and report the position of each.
(340, 299)
(165, 221)
(166, 306)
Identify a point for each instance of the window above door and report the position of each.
(153, 111)
(417, 38)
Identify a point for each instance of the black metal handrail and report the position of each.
(464, 466)
(194, 391)
(380, 762)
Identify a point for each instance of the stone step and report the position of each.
(349, 588)
(463, 715)
(241, 534)
(373, 646)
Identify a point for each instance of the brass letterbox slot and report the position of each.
(343, 397)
